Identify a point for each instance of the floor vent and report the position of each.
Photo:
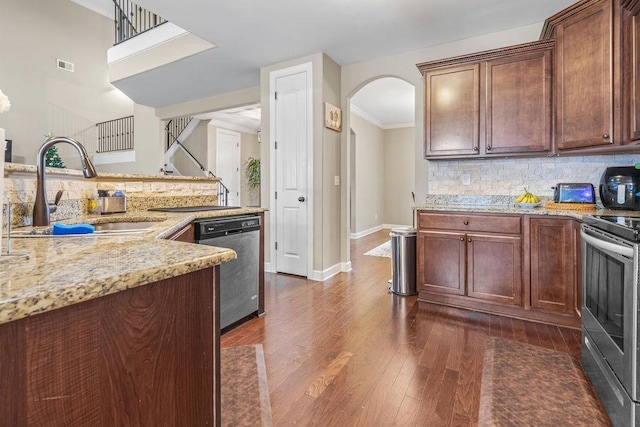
(64, 65)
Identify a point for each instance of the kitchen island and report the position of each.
(122, 330)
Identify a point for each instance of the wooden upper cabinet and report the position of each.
(631, 16)
(496, 102)
(452, 115)
(584, 78)
(519, 104)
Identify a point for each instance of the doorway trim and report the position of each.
(308, 68)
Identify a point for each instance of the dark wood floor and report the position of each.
(346, 352)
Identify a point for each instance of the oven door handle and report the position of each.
(607, 246)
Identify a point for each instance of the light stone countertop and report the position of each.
(511, 209)
(66, 270)
(501, 204)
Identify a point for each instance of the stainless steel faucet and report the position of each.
(41, 208)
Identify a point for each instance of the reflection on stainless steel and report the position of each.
(41, 208)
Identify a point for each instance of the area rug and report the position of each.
(525, 385)
(245, 393)
(384, 250)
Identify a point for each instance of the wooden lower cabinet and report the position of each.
(553, 265)
(494, 271)
(441, 263)
(185, 234)
(477, 265)
(526, 267)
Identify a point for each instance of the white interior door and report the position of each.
(228, 163)
(291, 137)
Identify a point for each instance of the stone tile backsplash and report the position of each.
(510, 176)
(77, 191)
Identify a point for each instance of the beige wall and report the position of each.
(369, 174)
(399, 174)
(330, 166)
(43, 98)
(148, 145)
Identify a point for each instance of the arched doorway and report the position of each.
(381, 166)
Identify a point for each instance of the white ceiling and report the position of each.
(253, 34)
(242, 119)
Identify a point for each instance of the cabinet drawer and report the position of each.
(468, 222)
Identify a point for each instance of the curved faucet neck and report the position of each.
(41, 206)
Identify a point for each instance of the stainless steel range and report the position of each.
(610, 313)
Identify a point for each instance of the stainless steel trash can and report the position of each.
(403, 261)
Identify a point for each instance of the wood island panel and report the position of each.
(144, 356)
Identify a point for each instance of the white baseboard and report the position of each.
(395, 226)
(317, 275)
(365, 232)
(267, 268)
(323, 275)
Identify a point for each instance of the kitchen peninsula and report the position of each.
(112, 330)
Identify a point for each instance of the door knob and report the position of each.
(301, 199)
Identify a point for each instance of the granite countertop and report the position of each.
(505, 205)
(70, 269)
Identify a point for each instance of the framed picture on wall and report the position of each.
(332, 117)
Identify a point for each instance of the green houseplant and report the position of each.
(252, 170)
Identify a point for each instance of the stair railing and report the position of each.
(115, 135)
(131, 20)
(223, 190)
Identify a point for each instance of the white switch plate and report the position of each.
(336, 180)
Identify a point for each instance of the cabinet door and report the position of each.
(441, 262)
(553, 265)
(452, 111)
(519, 104)
(584, 79)
(494, 268)
(633, 46)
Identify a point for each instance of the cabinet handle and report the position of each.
(469, 239)
(465, 222)
(489, 148)
(605, 136)
(462, 239)
(475, 148)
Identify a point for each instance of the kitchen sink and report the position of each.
(117, 227)
(125, 226)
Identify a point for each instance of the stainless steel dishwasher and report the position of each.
(239, 277)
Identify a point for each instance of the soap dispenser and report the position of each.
(119, 191)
